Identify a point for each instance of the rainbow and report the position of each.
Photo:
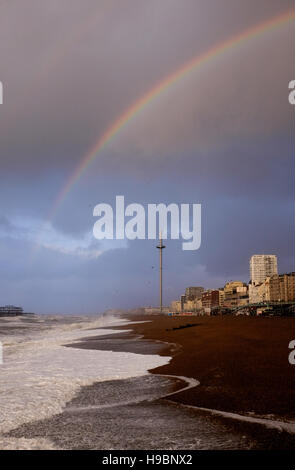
(139, 105)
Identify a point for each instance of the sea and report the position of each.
(57, 397)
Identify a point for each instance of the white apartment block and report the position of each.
(262, 266)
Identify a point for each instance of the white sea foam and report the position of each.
(267, 422)
(40, 375)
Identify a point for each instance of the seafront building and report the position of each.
(280, 288)
(276, 293)
(261, 267)
(276, 288)
(192, 293)
(258, 292)
(235, 294)
(175, 306)
(210, 299)
(221, 296)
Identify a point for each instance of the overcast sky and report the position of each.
(223, 136)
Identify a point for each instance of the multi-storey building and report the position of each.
(210, 299)
(193, 293)
(262, 266)
(221, 297)
(235, 294)
(257, 292)
(280, 288)
(175, 306)
(182, 301)
(277, 288)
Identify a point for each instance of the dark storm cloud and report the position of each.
(70, 68)
(223, 136)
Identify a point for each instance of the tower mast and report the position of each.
(161, 248)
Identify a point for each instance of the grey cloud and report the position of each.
(223, 136)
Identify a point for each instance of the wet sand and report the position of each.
(120, 342)
(241, 362)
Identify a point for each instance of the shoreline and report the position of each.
(124, 413)
(136, 331)
(265, 433)
(101, 417)
(40, 375)
(227, 385)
